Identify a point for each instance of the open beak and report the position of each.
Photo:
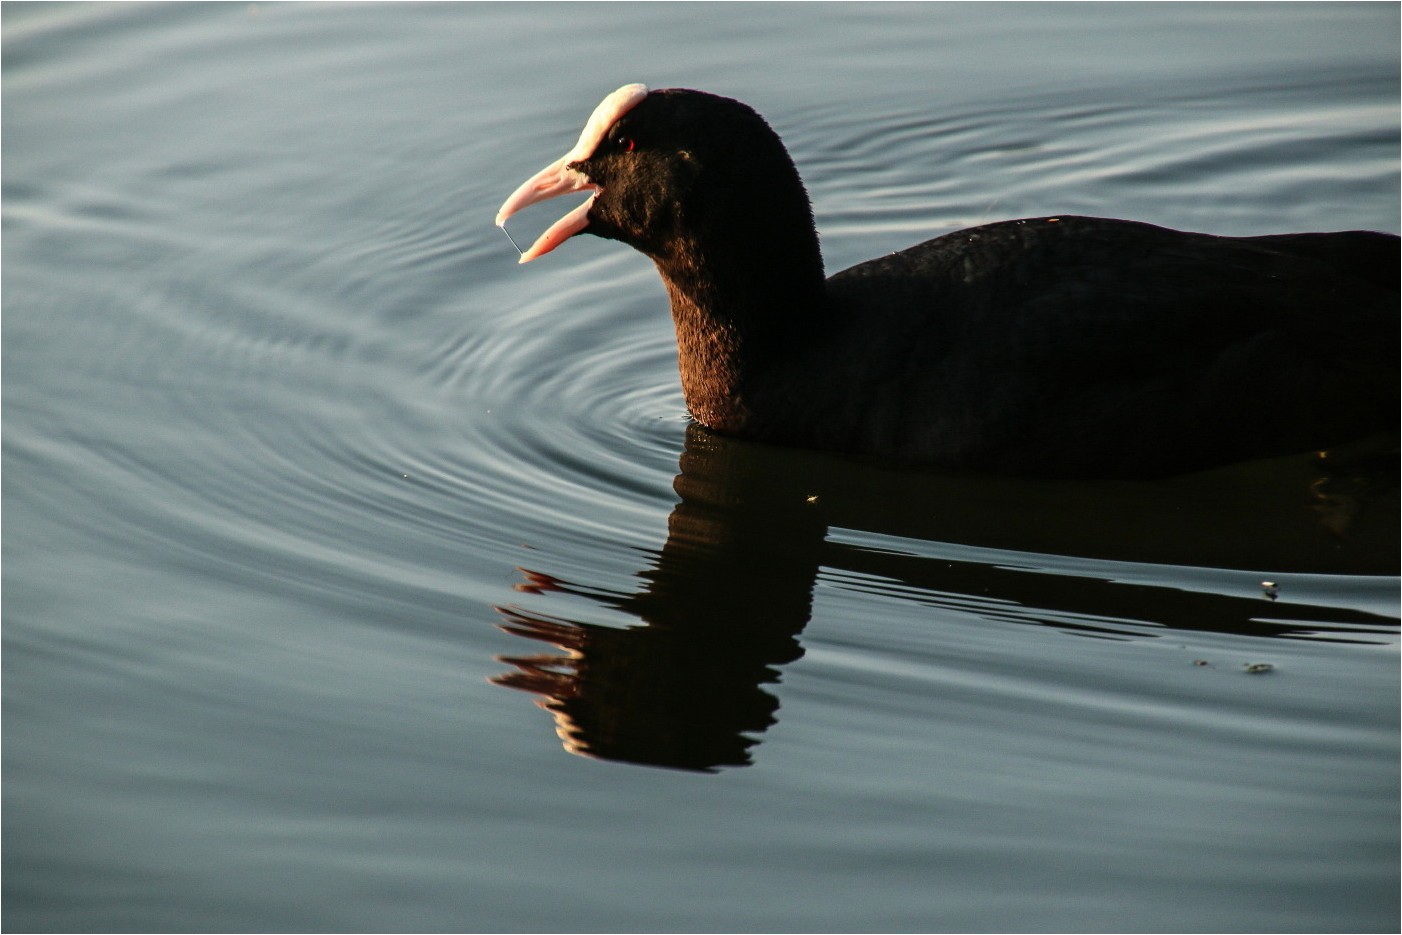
(554, 180)
(559, 179)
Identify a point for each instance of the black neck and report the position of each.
(742, 304)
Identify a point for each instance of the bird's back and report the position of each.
(1088, 346)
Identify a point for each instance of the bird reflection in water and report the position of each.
(721, 610)
(721, 606)
(641, 695)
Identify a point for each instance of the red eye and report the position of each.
(626, 144)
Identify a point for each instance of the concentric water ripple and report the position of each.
(550, 410)
(301, 467)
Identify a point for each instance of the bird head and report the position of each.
(664, 168)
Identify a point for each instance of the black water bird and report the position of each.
(1054, 346)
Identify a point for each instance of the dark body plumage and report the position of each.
(1090, 347)
(1062, 346)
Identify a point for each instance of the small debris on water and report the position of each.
(1257, 668)
(1201, 662)
(1270, 589)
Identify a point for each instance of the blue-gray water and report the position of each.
(310, 492)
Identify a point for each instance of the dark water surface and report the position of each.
(303, 476)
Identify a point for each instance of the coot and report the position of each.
(1054, 346)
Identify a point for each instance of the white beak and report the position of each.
(559, 179)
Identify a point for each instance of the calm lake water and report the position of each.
(356, 578)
